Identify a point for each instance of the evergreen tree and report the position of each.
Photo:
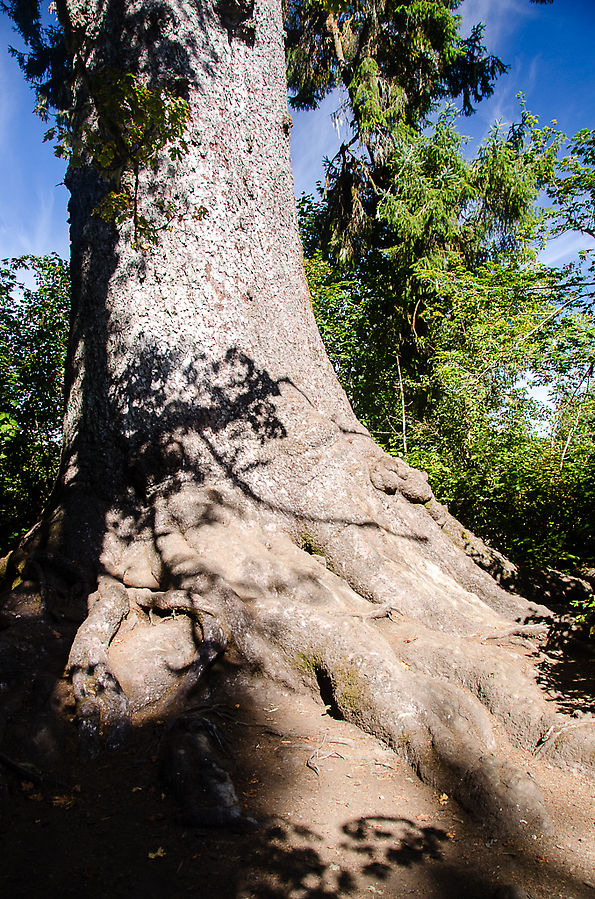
(33, 329)
(210, 456)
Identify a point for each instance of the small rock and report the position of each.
(510, 891)
(203, 789)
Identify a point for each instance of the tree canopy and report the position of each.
(465, 353)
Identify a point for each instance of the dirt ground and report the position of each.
(338, 814)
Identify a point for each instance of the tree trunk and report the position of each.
(213, 469)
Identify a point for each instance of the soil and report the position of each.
(336, 812)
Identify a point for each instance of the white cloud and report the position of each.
(565, 248)
(45, 232)
(500, 18)
(32, 208)
(34, 221)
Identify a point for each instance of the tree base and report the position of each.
(363, 599)
(338, 813)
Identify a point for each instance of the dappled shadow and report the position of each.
(567, 674)
(396, 840)
(182, 416)
(113, 826)
(164, 397)
(172, 418)
(293, 858)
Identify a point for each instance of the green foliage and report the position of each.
(585, 613)
(423, 266)
(439, 213)
(131, 128)
(500, 473)
(46, 63)
(33, 328)
(498, 454)
(415, 46)
(396, 62)
(109, 118)
(494, 352)
(355, 333)
(572, 192)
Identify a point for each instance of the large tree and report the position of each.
(211, 463)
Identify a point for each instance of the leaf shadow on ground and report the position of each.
(568, 676)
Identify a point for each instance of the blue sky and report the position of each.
(550, 50)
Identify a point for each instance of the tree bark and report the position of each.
(213, 468)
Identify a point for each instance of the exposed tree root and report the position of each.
(373, 607)
(102, 706)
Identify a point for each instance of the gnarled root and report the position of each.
(102, 709)
(430, 679)
(444, 732)
(281, 599)
(105, 688)
(211, 640)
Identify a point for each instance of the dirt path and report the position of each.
(339, 815)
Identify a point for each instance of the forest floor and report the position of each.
(339, 815)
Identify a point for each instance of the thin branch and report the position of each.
(578, 418)
(413, 320)
(402, 408)
(587, 374)
(333, 30)
(525, 337)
